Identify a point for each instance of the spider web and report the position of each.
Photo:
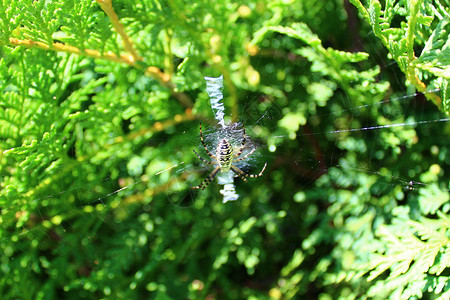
(318, 162)
(310, 164)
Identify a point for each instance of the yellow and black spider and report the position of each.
(224, 159)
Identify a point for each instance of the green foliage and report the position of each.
(99, 116)
(423, 25)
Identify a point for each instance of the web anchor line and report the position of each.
(214, 87)
(405, 124)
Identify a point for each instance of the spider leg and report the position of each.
(203, 143)
(204, 160)
(243, 175)
(239, 172)
(207, 179)
(246, 155)
(242, 145)
(260, 173)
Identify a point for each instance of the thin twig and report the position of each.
(124, 58)
(152, 71)
(157, 126)
(107, 7)
(161, 77)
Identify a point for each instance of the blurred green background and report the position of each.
(100, 107)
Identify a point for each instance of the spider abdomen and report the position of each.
(224, 154)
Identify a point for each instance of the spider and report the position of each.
(224, 160)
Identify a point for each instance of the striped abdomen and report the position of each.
(224, 154)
